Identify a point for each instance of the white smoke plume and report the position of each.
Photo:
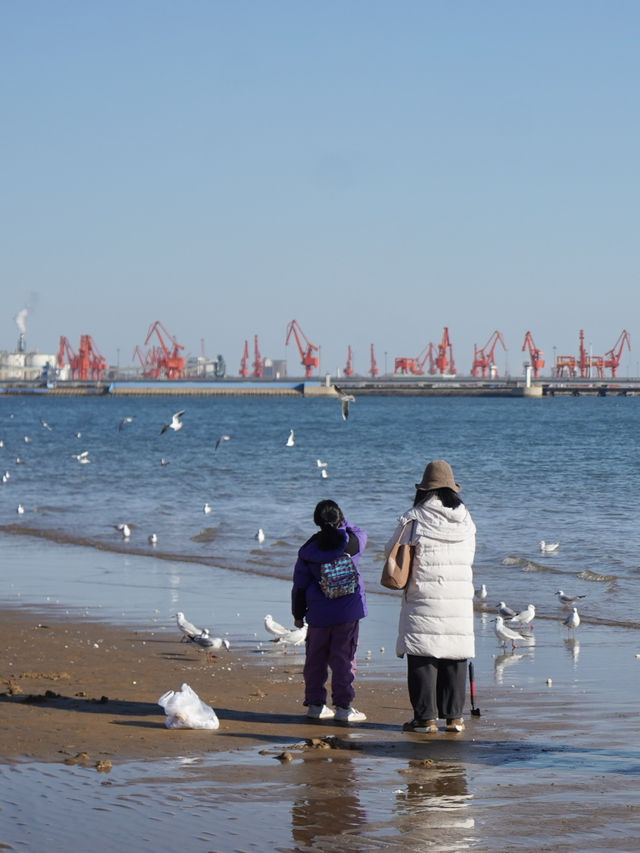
(21, 316)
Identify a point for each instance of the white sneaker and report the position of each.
(319, 712)
(349, 715)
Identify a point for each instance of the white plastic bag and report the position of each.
(185, 710)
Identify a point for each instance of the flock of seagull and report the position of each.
(513, 627)
(202, 638)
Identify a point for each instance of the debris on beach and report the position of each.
(185, 710)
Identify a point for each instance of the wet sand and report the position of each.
(553, 767)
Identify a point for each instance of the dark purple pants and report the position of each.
(334, 646)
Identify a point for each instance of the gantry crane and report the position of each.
(444, 358)
(348, 368)
(483, 360)
(307, 357)
(613, 355)
(373, 368)
(258, 363)
(535, 355)
(87, 363)
(167, 357)
(244, 370)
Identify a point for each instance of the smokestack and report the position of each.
(21, 323)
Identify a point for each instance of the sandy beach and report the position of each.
(82, 697)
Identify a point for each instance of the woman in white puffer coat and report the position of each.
(436, 618)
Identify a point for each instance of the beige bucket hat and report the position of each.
(438, 475)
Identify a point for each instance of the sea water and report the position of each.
(560, 469)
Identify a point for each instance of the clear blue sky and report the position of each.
(375, 170)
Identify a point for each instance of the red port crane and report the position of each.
(483, 359)
(429, 352)
(258, 363)
(307, 357)
(535, 355)
(444, 358)
(167, 357)
(88, 363)
(244, 370)
(612, 356)
(373, 368)
(348, 368)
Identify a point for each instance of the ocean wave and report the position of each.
(596, 577)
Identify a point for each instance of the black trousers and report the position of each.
(436, 687)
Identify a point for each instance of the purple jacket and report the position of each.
(307, 599)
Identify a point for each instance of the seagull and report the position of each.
(27, 440)
(295, 637)
(83, 458)
(20, 509)
(345, 399)
(548, 547)
(124, 422)
(274, 627)
(525, 617)
(320, 463)
(188, 628)
(505, 634)
(44, 424)
(209, 644)
(573, 619)
(206, 509)
(290, 442)
(568, 600)
(124, 529)
(175, 423)
(505, 611)
(163, 461)
(220, 440)
(153, 539)
(260, 535)
(481, 593)
(323, 473)
(5, 477)
(18, 460)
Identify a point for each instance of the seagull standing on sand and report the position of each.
(548, 547)
(525, 617)
(175, 423)
(290, 442)
(274, 627)
(188, 628)
(573, 620)
(504, 634)
(568, 600)
(153, 539)
(209, 644)
(505, 611)
(295, 637)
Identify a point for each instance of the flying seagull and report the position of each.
(175, 423)
(124, 422)
(220, 440)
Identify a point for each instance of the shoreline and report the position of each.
(82, 695)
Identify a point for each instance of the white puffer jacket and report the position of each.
(436, 618)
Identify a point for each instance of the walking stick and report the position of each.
(475, 712)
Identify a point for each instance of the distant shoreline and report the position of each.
(400, 386)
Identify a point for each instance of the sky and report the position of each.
(377, 171)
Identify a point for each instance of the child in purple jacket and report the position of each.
(332, 623)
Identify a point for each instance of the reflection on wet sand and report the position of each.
(436, 798)
(324, 811)
(573, 647)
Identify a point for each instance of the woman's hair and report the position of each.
(328, 515)
(447, 496)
